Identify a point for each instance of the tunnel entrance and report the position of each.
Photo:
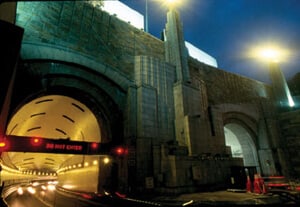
(57, 117)
(241, 143)
(242, 146)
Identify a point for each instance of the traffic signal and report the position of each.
(36, 141)
(94, 145)
(120, 151)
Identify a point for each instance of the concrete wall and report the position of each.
(225, 87)
(182, 173)
(290, 140)
(188, 117)
(79, 28)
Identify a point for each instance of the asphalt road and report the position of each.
(44, 194)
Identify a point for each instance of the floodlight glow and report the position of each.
(174, 2)
(291, 101)
(270, 53)
(289, 96)
(273, 53)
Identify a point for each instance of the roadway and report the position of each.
(45, 194)
(49, 194)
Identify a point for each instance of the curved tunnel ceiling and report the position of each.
(240, 140)
(52, 116)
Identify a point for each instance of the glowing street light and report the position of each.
(274, 55)
(168, 3)
(173, 3)
(270, 54)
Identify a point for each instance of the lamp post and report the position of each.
(280, 88)
(169, 3)
(274, 55)
(146, 16)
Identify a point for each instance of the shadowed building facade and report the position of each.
(178, 117)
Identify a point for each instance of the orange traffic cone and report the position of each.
(256, 184)
(248, 185)
(262, 185)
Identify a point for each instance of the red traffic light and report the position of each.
(94, 145)
(36, 141)
(120, 151)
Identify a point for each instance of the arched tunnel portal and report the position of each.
(62, 105)
(241, 136)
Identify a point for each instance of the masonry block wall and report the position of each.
(290, 124)
(154, 79)
(228, 87)
(133, 63)
(81, 28)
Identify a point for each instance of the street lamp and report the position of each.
(169, 4)
(146, 16)
(173, 3)
(273, 55)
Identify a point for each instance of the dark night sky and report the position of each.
(227, 29)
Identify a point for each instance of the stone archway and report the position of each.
(242, 144)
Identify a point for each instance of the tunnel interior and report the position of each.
(55, 117)
(241, 144)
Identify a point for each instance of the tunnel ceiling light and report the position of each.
(106, 160)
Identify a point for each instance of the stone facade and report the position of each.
(148, 94)
(290, 123)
